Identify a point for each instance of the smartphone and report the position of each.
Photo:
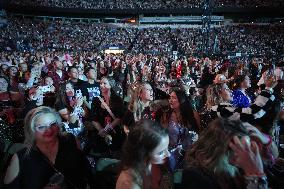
(78, 93)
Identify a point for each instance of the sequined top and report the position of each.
(240, 99)
(206, 116)
(6, 133)
(180, 135)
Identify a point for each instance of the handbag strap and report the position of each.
(46, 160)
(52, 166)
(107, 107)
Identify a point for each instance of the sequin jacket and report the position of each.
(255, 111)
(241, 100)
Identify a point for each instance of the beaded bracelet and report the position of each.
(256, 182)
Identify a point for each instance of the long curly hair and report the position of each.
(135, 105)
(212, 151)
(140, 143)
(213, 96)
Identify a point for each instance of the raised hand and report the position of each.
(246, 156)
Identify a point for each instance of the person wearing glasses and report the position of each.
(48, 152)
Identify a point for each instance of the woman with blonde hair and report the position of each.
(142, 98)
(219, 103)
(139, 105)
(48, 154)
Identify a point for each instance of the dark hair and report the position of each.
(61, 97)
(266, 122)
(88, 69)
(188, 119)
(238, 81)
(140, 143)
(71, 67)
(280, 63)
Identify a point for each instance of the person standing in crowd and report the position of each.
(23, 69)
(57, 74)
(215, 94)
(13, 90)
(49, 91)
(106, 115)
(233, 162)
(182, 126)
(120, 75)
(49, 155)
(5, 97)
(241, 98)
(91, 88)
(7, 105)
(13, 79)
(105, 70)
(74, 78)
(146, 145)
(279, 71)
(4, 68)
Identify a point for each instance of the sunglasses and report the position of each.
(42, 128)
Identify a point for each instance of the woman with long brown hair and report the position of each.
(106, 114)
(179, 119)
(224, 158)
(145, 146)
(69, 104)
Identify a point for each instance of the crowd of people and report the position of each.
(25, 34)
(146, 4)
(219, 121)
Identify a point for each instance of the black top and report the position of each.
(77, 85)
(35, 171)
(60, 106)
(199, 178)
(90, 90)
(101, 115)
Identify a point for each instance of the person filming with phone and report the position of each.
(69, 104)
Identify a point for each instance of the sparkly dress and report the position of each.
(206, 116)
(181, 138)
(240, 99)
